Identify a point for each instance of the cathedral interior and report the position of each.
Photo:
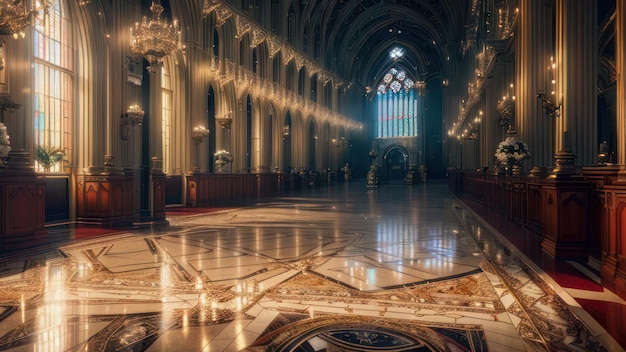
(312, 175)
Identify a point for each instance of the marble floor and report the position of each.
(339, 268)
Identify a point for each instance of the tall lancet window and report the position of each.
(53, 81)
(166, 118)
(397, 102)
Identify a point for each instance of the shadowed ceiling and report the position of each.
(357, 35)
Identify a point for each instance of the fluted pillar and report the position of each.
(566, 200)
(533, 48)
(576, 77)
(156, 117)
(620, 66)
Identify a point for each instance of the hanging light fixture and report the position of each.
(209, 6)
(154, 39)
(15, 15)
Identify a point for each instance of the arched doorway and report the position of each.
(210, 142)
(287, 131)
(248, 165)
(312, 146)
(396, 163)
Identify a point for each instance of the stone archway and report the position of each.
(396, 163)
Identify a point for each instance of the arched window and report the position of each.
(53, 66)
(291, 25)
(397, 102)
(275, 17)
(166, 118)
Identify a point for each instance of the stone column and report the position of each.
(620, 66)
(576, 85)
(533, 48)
(566, 199)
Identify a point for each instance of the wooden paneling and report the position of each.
(206, 189)
(22, 215)
(105, 200)
(577, 217)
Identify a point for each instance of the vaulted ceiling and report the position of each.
(357, 35)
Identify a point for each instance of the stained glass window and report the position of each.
(397, 101)
(53, 80)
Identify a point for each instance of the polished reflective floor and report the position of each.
(339, 268)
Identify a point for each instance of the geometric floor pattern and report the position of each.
(340, 268)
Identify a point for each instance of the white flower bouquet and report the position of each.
(5, 143)
(511, 151)
(222, 158)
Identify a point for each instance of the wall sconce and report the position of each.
(552, 109)
(133, 116)
(199, 133)
(550, 105)
(285, 132)
(506, 110)
(225, 121)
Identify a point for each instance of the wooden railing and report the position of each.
(581, 217)
(516, 198)
(205, 189)
(557, 209)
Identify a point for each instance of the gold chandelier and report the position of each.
(209, 6)
(154, 39)
(15, 16)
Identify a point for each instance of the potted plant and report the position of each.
(47, 157)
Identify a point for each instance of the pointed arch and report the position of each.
(398, 106)
(286, 157)
(312, 142)
(53, 82)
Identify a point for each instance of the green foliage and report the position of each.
(47, 157)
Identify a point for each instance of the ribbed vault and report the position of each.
(356, 36)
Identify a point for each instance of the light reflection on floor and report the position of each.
(249, 277)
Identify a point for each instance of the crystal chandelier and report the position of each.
(15, 16)
(154, 39)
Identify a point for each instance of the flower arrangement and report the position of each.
(511, 151)
(222, 158)
(5, 143)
